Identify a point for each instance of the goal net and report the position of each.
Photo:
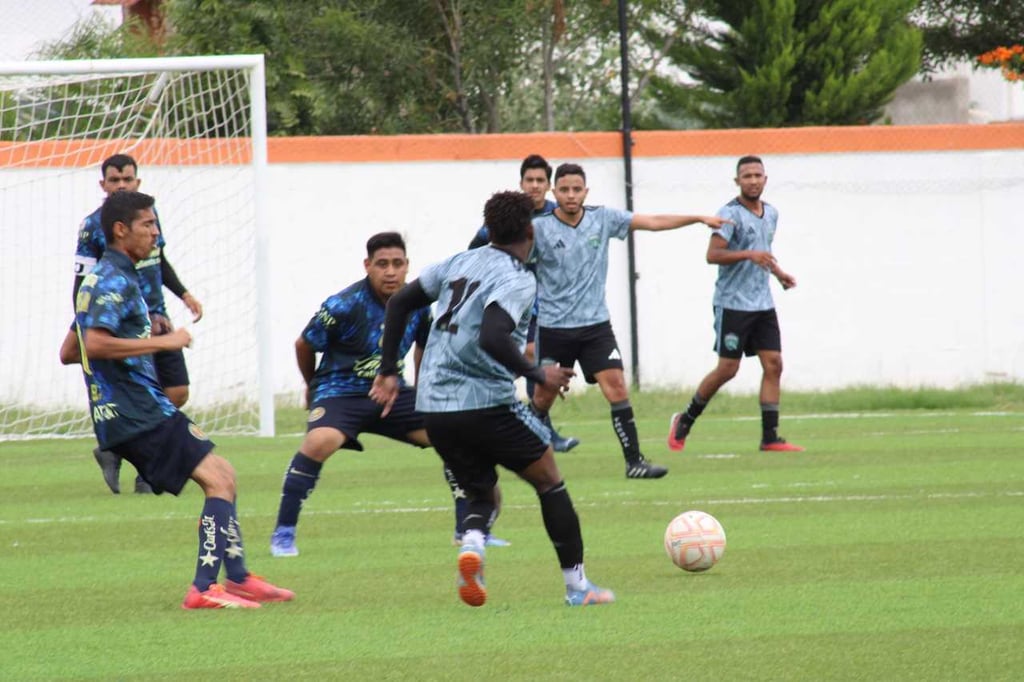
(196, 126)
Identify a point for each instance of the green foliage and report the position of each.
(960, 30)
(890, 550)
(791, 62)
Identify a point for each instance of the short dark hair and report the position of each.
(750, 158)
(570, 169)
(118, 161)
(535, 161)
(507, 215)
(384, 240)
(122, 207)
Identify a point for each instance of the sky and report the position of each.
(26, 24)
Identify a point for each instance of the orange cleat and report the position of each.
(780, 445)
(215, 597)
(471, 576)
(257, 589)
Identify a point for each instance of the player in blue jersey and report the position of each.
(574, 323)
(745, 319)
(467, 396)
(134, 418)
(120, 174)
(346, 331)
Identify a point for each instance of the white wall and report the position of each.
(906, 263)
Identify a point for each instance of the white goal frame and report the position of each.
(254, 66)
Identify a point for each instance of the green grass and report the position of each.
(891, 550)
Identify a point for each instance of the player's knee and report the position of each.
(773, 366)
(319, 444)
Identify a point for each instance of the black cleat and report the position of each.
(560, 443)
(110, 465)
(641, 468)
(141, 487)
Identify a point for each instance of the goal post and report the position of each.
(197, 127)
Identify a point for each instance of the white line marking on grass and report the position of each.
(789, 499)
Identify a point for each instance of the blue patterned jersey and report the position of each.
(572, 266)
(744, 285)
(347, 330)
(125, 397)
(91, 245)
(456, 373)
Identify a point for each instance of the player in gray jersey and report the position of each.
(466, 392)
(574, 324)
(745, 319)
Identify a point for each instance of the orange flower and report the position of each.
(1009, 60)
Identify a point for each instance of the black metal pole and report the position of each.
(627, 158)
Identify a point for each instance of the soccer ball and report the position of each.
(695, 541)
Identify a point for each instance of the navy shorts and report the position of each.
(473, 442)
(743, 332)
(170, 368)
(356, 414)
(167, 455)
(594, 347)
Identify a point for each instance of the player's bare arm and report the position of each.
(719, 253)
(100, 344)
(657, 223)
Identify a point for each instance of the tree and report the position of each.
(961, 30)
(770, 63)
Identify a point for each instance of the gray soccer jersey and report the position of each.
(456, 374)
(572, 266)
(744, 285)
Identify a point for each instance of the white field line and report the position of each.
(397, 509)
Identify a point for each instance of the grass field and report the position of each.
(891, 550)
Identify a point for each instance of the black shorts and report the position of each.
(743, 332)
(167, 455)
(594, 347)
(170, 368)
(473, 442)
(356, 414)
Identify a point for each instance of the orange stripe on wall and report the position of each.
(150, 152)
(646, 143)
(405, 148)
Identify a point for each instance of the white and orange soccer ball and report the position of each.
(695, 541)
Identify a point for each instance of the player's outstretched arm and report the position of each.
(657, 223)
(100, 344)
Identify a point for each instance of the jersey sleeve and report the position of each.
(616, 222)
(727, 230)
(99, 303)
(431, 279)
(90, 247)
(324, 326)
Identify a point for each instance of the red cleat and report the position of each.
(780, 445)
(677, 433)
(257, 589)
(215, 597)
